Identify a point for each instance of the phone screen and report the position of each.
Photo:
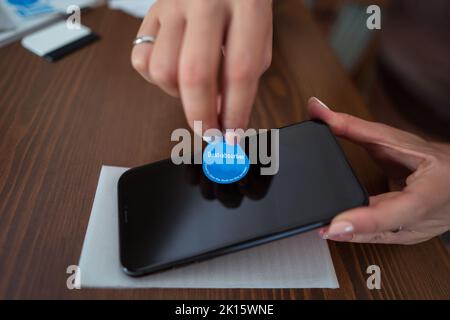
(172, 214)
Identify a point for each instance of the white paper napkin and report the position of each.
(301, 261)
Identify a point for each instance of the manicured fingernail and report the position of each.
(207, 139)
(323, 231)
(342, 237)
(321, 103)
(339, 229)
(213, 138)
(232, 138)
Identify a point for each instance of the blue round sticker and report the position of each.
(22, 2)
(224, 163)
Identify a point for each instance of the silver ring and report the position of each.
(144, 39)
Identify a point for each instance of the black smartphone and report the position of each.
(171, 215)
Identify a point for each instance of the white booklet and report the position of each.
(18, 18)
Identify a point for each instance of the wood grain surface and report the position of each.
(60, 122)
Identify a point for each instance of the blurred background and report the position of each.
(402, 71)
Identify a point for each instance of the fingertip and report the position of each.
(317, 109)
(360, 220)
(231, 137)
(341, 227)
(315, 100)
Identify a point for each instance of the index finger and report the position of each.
(199, 63)
(247, 52)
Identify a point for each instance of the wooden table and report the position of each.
(60, 122)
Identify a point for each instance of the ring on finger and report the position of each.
(144, 39)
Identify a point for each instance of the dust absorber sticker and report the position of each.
(224, 163)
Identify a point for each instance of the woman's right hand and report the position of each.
(192, 39)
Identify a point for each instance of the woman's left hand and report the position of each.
(419, 208)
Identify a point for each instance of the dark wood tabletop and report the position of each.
(60, 122)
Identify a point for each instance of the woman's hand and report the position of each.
(419, 209)
(211, 53)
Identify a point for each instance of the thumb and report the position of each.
(386, 212)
